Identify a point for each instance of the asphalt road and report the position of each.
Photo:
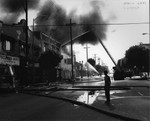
(132, 103)
(24, 107)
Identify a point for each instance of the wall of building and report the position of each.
(13, 44)
(65, 65)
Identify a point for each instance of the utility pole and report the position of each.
(95, 58)
(26, 11)
(87, 57)
(86, 51)
(82, 69)
(99, 61)
(71, 24)
(32, 49)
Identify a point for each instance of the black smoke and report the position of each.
(56, 15)
(93, 22)
(53, 19)
(17, 5)
(14, 8)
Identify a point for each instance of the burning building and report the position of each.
(13, 52)
(52, 23)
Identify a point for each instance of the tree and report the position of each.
(101, 69)
(138, 56)
(49, 59)
(91, 61)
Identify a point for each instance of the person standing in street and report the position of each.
(107, 87)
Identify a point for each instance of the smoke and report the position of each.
(53, 14)
(11, 18)
(67, 50)
(14, 8)
(94, 22)
(56, 15)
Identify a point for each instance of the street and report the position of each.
(25, 107)
(74, 60)
(132, 103)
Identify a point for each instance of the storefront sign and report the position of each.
(9, 60)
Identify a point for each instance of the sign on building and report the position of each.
(9, 60)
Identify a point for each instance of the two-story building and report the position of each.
(13, 47)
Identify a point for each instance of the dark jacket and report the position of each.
(107, 82)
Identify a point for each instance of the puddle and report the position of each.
(117, 91)
(89, 97)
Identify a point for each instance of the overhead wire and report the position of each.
(98, 24)
(82, 24)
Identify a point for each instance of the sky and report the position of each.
(119, 37)
(126, 21)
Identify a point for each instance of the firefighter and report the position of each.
(107, 87)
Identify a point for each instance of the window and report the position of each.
(0, 46)
(7, 45)
(65, 60)
(22, 49)
(45, 48)
(69, 61)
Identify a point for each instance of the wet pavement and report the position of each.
(133, 103)
(27, 107)
(134, 107)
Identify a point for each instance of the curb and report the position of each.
(115, 115)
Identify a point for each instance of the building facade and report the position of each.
(13, 45)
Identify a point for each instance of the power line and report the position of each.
(97, 24)
(117, 23)
(64, 25)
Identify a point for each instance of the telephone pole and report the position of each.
(95, 58)
(86, 51)
(99, 61)
(26, 11)
(71, 24)
(87, 57)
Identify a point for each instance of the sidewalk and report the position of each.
(125, 107)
